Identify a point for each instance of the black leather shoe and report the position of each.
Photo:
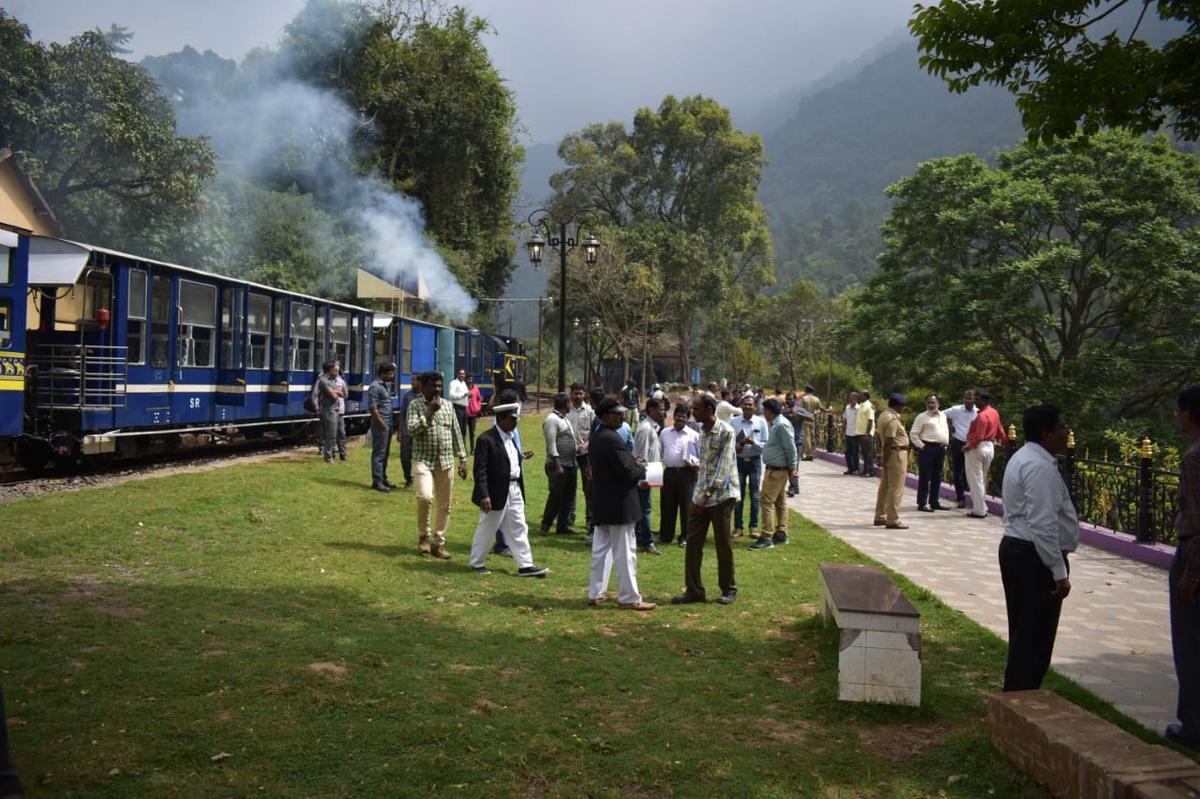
(726, 599)
(382, 488)
(686, 599)
(650, 549)
(532, 571)
(481, 570)
(1175, 732)
(925, 509)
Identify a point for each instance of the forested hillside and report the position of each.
(829, 163)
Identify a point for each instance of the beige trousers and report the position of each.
(433, 485)
(773, 502)
(891, 486)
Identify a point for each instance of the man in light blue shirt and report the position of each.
(1040, 528)
(781, 460)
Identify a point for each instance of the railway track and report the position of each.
(18, 483)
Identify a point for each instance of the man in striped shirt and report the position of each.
(713, 498)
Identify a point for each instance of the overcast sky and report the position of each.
(570, 62)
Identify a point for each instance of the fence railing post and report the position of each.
(1144, 529)
(829, 433)
(1069, 468)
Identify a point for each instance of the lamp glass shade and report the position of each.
(536, 246)
(591, 248)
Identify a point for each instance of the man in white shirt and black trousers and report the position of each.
(960, 418)
(1040, 528)
(459, 394)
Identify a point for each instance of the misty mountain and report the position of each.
(830, 161)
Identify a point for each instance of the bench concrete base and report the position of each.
(879, 648)
(1076, 754)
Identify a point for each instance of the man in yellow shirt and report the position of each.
(864, 428)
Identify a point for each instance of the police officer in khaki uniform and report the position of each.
(893, 460)
(812, 404)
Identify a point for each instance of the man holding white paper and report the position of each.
(648, 448)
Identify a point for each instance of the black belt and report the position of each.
(932, 443)
(771, 468)
(514, 479)
(674, 468)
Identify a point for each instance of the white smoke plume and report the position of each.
(268, 122)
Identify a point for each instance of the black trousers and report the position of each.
(866, 445)
(1032, 614)
(851, 453)
(929, 474)
(719, 516)
(471, 433)
(1185, 644)
(675, 501)
(558, 503)
(406, 458)
(9, 781)
(958, 468)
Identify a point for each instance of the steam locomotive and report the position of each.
(104, 354)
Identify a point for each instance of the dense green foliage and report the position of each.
(682, 187)
(443, 125)
(92, 131)
(407, 101)
(1068, 273)
(1067, 62)
(830, 161)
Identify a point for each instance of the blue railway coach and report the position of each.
(103, 353)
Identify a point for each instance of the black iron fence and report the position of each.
(1135, 498)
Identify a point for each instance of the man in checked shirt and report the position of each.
(436, 444)
(1185, 575)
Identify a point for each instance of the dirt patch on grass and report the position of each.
(332, 669)
(899, 742)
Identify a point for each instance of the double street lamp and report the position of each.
(540, 220)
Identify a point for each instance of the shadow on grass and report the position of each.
(210, 690)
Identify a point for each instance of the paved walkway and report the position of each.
(1114, 636)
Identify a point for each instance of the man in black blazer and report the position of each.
(500, 494)
(616, 508)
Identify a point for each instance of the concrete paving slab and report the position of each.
(1114, 636)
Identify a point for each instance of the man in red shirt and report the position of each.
(982, 436)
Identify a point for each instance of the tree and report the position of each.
(1067, 273)
(684, 182)
(443, 124)
(91, 129)
(1067, 62)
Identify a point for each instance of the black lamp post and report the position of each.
(563, 243)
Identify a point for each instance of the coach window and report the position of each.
(477, 366)
(197, 323)
(279, 342)
(160, 320)
(5, 323)
(302, 337)
(135, 325)
(340, 322)
(233, 327)
(364, 347)
(259, 321)
(7, 254)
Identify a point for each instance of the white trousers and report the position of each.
(979, 463)
(516, 532)
(614, 544)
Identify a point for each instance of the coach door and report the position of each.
(281, 379)
(231, 373)
(14, 255)
(195, 353)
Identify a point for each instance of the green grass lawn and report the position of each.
(270, 630)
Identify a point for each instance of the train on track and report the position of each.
(106, 355)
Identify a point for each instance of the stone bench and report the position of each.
(1076, 754)
(879, 650)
